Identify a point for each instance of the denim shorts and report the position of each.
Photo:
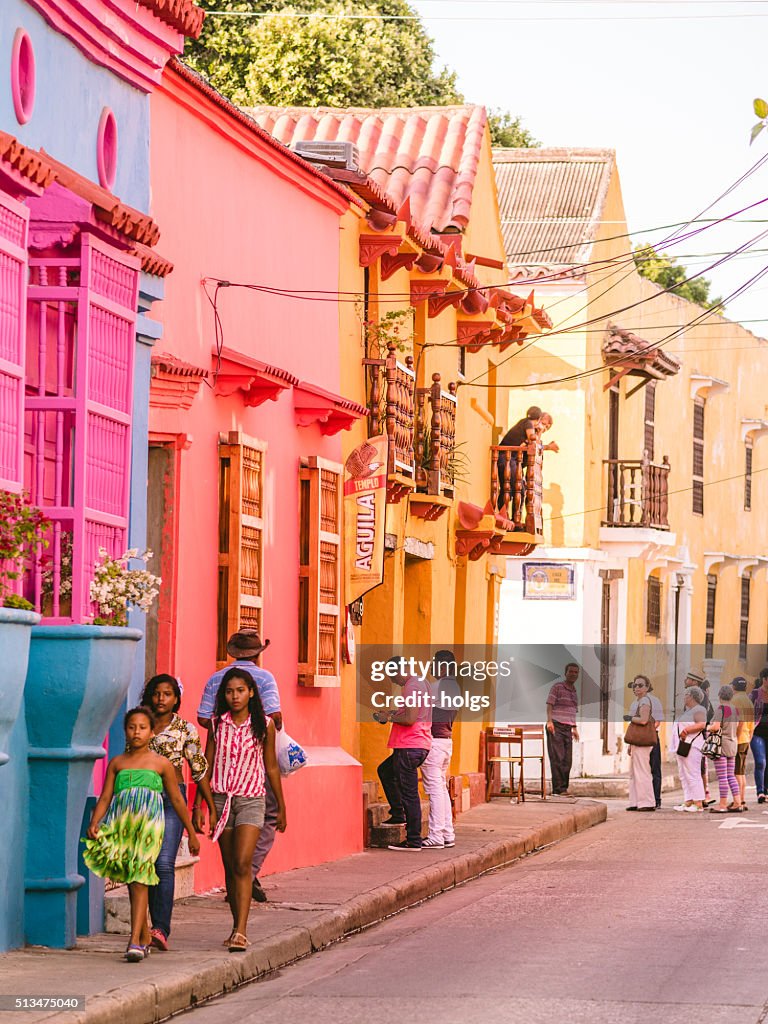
(245, 810)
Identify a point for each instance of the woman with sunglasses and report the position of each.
(641, 795)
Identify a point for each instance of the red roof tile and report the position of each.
(182, 15)
(429, 155)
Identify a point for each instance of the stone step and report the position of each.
(381, 834)
(371, 790)
(117, 907)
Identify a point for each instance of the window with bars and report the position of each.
(748, 477)
(650, 419)
(746, 582)
(709, 627)
(698, 456)
(241, 538)
(320, 568)
(653, 606)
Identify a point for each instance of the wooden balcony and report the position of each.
(435, 440)
(637, 493)
(392, 409)
(516, 486)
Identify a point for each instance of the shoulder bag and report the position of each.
(713, 744)
(641, 735)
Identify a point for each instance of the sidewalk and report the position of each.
(308, 909)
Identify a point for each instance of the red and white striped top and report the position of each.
(238, 764)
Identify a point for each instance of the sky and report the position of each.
(668, 85)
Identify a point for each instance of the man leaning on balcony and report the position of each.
(562, 707)
(522, 432)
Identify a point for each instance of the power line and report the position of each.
(493, 19)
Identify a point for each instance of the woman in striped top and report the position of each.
(240, 754)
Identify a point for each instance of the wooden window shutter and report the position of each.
(650, 419)
(746, 583)
(698, 456)
(653, 606)
(241, 537)
(320, 568)
(748, 477)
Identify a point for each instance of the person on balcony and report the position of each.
(245, 646)
(562, 708)
(521, 433)
(545, 423)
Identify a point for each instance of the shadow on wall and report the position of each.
(553, 496)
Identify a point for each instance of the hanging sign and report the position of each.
(365, 503)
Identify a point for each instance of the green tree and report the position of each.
(508, 131)
(289, 61)
(285, 60)
(668, 273)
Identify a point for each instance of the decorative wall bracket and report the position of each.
(174, 384)
(428, 506)
(330, 412)
(399, 487)
(400, 261)
(472, 333)
(373, 247)
(427, 289)
(233, 371)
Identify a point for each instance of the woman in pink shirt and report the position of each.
(241, 754)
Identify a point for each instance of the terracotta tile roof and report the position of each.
(623, 348)
(165, 362)
(429, 155)
(182, 15)
(152, 262)
(26, 162)
(551, 201)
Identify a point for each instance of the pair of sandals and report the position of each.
(728, 810)
(237, 943)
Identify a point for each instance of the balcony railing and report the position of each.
(516, 484)
(637, 493)
(435, 444)
(393, 408)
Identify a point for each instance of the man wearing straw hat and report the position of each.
(245, 646)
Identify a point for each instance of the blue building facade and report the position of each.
(74, 134)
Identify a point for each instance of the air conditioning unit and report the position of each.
(343, 155)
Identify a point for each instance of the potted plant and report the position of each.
(83, 671)
(22, 533)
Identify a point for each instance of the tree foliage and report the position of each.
(508, 131)
(312, 62)
(668, 273)
(321, 61)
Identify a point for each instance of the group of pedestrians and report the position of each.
(724, 735)
(139, 819)
(420, 737)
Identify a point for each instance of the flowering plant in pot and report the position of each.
(23, 529)
(115, 586)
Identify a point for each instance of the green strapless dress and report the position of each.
(131, 834)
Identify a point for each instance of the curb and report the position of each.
(150, 1002)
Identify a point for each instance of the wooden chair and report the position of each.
(507, 745)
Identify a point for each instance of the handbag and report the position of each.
(641, 735)
(713, 744)
(684, 747)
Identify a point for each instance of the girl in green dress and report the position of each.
(125, 846)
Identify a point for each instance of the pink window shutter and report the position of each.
(14, 224)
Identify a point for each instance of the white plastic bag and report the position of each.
(290, 755)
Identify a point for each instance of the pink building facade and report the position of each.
(244, 440)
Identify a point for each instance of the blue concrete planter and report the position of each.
(15, 632)
(77, 679)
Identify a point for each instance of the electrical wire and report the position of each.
(492, 19)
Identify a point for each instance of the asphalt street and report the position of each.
(647, 918)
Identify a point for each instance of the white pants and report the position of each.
(640, 779)
(689, 770)
(434, 776)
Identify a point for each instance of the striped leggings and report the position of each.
(725, 777)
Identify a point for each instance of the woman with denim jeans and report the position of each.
(178, 741)
(759, 744)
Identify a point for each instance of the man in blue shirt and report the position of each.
(245, 646)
